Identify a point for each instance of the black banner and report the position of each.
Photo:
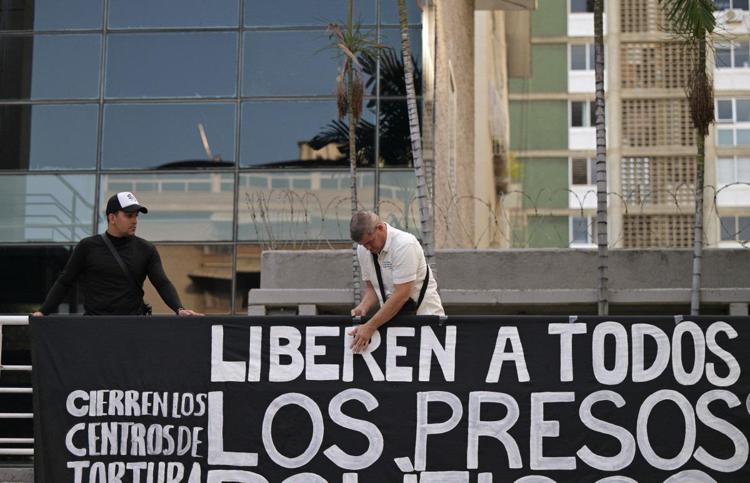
(468, 399)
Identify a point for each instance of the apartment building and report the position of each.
(650, 139)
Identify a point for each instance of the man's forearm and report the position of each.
(389, 309)
(369, 298)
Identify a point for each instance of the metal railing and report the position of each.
(8, 444)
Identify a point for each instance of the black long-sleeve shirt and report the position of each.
(106, 289)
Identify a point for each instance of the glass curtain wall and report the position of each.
(221, 118)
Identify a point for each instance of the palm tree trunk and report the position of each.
(356, 283)
(601, 160)
(425, 206)
(695, 291)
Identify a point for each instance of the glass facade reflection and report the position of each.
(202, 275)
(182, 206)
(167, 135)
(46, 208)
(51, 14)
(172, 65)
(50, 66)
(303, 132)
(48, 136)
(277, 207)
(289, 63)
(173, 13)
(220, 116)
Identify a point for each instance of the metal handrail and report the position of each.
(17, 449)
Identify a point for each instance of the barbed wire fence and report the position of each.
(650, 218)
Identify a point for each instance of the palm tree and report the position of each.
(601, 159)
(353, 43)
(693, 21)
(425, 207)
(393, 120)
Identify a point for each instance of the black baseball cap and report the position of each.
(125, 201)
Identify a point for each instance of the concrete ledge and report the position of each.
(20, 474)
(278, 297)
(520, 281)
(547, 269)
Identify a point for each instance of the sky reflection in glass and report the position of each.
(173, 13)
(155, 135)
(172, 65)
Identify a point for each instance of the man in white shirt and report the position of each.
(408, 286)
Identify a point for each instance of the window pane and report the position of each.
(581, 6)
(724, 110)
(743, 110)
(49, 67)
(398, 200)
(305, 133)
(578, 171)
(320, 213)
(592, 113)
(722, 4)
(55, 208)
(743, 170)
(163, 136)
(395, 138)
(577, 113)
(743, 136)
(202, 275)
(743, 225)
(305, 12)
(592, 56)
(172, 65)
(580, 229)
(740, 4)
(742, 54)
(723, 56)
(48, 136)
(173, 13)
(289, 63)
(179, 206)
(578, 57)
(50, 14)
(726, 170)
(725, 137)
(727, 228)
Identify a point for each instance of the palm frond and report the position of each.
(337, 132)
(692, 18)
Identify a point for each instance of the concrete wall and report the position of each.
(550, 281)
(454, 77)
(522, 269)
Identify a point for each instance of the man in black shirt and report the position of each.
(106, 288)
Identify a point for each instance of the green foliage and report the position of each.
(353, 44)
(693, 19)
(395, 148)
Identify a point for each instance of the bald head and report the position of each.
(363, 223)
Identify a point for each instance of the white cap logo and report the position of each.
(126, 198)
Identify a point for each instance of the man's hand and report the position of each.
(359, 311)
(361, 336)
(37, 314)
(187, 312)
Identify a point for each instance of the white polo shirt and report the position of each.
(401, 260)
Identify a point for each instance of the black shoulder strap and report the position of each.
(380, 277)
(125, 270)
(422, 291)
